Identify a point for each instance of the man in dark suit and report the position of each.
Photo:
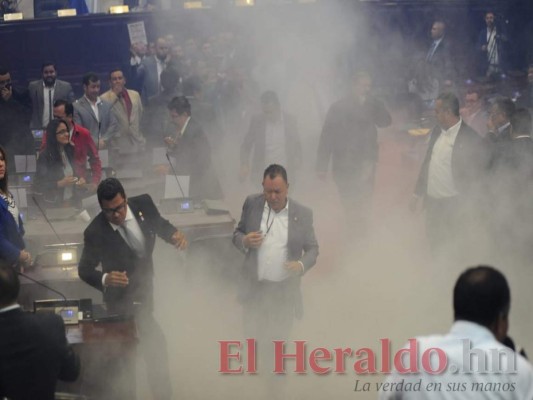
(34, 352)
(512, 189)
(451, 174)
(492, 48)
(190, 148)
(122, 239)
(499, 124)
(93, 113)
(350, 140)
(44, 92)
(273, 136)
(439, 57)
(15, 115)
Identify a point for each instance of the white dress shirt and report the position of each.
(440, 177)
(134, 228)
(48, 93)
(275, 143)
(517, 385)
(492, 47)
(272, 255)
(94, 107)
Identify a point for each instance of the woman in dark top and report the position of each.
(54, 179)
(11, 229)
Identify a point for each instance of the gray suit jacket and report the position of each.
(62, 91)
(301, 244)
(84, 116)
(147, 76)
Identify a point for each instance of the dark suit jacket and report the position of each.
(441, 63)
(11, 242)
(470, 161)
(301, 244)
(104, 245)
(106, 128)
(502, 42)
(192, 156)
(15, 133)
(256, 139)
(33, 354)
(349, 136)
(62, 91)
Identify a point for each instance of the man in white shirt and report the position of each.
(478, 366)
(450, 175)
(277, 235)
(93, 113)
(44, 92)
(491, 47)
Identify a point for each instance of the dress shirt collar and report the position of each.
(48, 87)
(453, 130)
(284, 209)
(98, 100)
(9, 308)
(437, 42)
(129, 217)
(503, 127)
(185, 125)
(471, 329)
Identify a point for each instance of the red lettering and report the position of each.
(340, 359)
(366, 365)
(280, 356)
(317, 354)
(385, 356)
(413, 358)
(426, 360)
(226, 356)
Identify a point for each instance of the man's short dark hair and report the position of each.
(169, 79)
(108, 190)
(116, 69)
(47, 64)
(180, 104)
(449, 102)
(481, 295)
(521, 122)
(4, 70)
(269, 97)
(274, 170)
(506, 106)
(191, 86)
(89, 77)
(69, 108)
(9, 286)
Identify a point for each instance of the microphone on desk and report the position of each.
(176, 176)
(48, 221)
(43, 285)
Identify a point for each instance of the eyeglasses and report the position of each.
(62, 132)
(111, 211)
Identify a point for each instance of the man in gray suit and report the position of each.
(95, 114)
(150, 68)
(278, 237)
(44, 92)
